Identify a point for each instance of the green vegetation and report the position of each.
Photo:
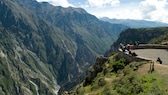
(125, 79)
(118, 65)
(42, 43)
(143, 35)
(163, 39)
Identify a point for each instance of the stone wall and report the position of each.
(150, 46)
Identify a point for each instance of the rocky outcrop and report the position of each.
(97, 67)
(129, 58)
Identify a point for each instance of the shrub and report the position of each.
(118, 65)
(101, 82)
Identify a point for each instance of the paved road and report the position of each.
(153, 54)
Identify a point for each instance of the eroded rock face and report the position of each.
(42, 42)
(97, 67)
(21, 75)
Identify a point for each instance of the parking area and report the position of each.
(152, 54)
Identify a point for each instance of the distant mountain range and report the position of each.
(135, 23)
(43, 47)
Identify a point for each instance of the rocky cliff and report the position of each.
(141, 35)
(42, 45)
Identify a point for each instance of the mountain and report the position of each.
(143, 35)
(43, 47)
(123, 74)
(135, 23)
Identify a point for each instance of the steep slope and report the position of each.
(117, 77)
(122, 74)
(163, 39)
(42, 44)
(22, 71)
(77, 23)
(143, 35)
(135, 23)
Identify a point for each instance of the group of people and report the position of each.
(136, 43)
(127, 49)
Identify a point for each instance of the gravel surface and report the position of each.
(153, 54)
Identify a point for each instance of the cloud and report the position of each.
(154, 10)
(63, 3)
(101, 3)
(120, 12)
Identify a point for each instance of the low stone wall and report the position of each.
(150, 46)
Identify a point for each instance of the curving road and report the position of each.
(152, 54)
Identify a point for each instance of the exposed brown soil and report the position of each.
(160, 68)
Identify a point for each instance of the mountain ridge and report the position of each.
(135, 23)
(56, 46)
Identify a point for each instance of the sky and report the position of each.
(152, 10)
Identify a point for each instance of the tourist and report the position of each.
(159, 60)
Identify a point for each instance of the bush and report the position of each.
(128, 85)
(118, 65)
(108, 91)
(155, 90)
(101, 82)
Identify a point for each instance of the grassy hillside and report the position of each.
(118, 77)
(163, 39)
